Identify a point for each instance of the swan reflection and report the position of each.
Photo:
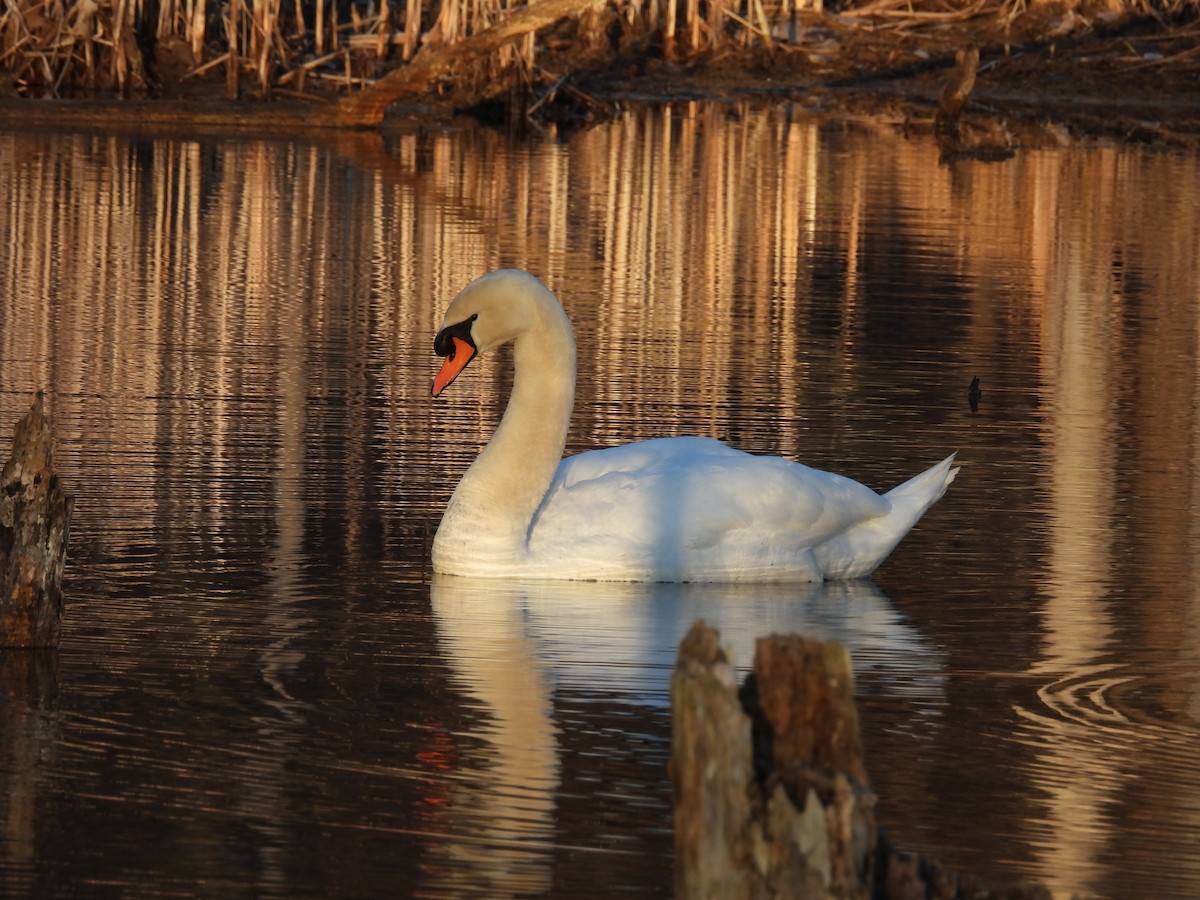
(513, 646)
(621, 638)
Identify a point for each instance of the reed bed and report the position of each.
(63, 47)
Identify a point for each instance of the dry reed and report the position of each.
(55, 48)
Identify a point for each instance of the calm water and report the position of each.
(260, 690)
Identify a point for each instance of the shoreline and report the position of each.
(1137, 84)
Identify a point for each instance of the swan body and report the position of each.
(670, 509)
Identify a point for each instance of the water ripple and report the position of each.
(1124, 705)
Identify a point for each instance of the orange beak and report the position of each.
(460, 354)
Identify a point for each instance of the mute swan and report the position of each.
(671, 509)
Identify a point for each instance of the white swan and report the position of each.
(672, 509)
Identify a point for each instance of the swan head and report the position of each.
(489, 312)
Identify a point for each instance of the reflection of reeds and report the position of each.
(686, 243)
(675, 229)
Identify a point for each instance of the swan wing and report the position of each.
(692, 508)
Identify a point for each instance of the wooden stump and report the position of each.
(712, 775)
(35, 517)
(946, 123)
(770, 792)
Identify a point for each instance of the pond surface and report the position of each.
(261, 691)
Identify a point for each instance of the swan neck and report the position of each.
(486, 524)
(532, 433)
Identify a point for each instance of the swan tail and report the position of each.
(858, 551)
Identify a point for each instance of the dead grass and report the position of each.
(56, 48)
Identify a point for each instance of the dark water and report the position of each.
(260, 691)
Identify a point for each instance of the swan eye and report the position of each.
(443, 344)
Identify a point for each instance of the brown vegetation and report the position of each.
(476, 49)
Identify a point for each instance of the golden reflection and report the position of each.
(1079, 358)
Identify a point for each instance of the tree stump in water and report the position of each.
(946, 123)
(770, 793)
(35, 517)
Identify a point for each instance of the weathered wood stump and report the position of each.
(35, 517)
(771, 796)
(988, 141)
(770, 791)
(946, 123)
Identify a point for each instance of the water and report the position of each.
(261, 691)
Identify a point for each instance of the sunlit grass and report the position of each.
(62, 47)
